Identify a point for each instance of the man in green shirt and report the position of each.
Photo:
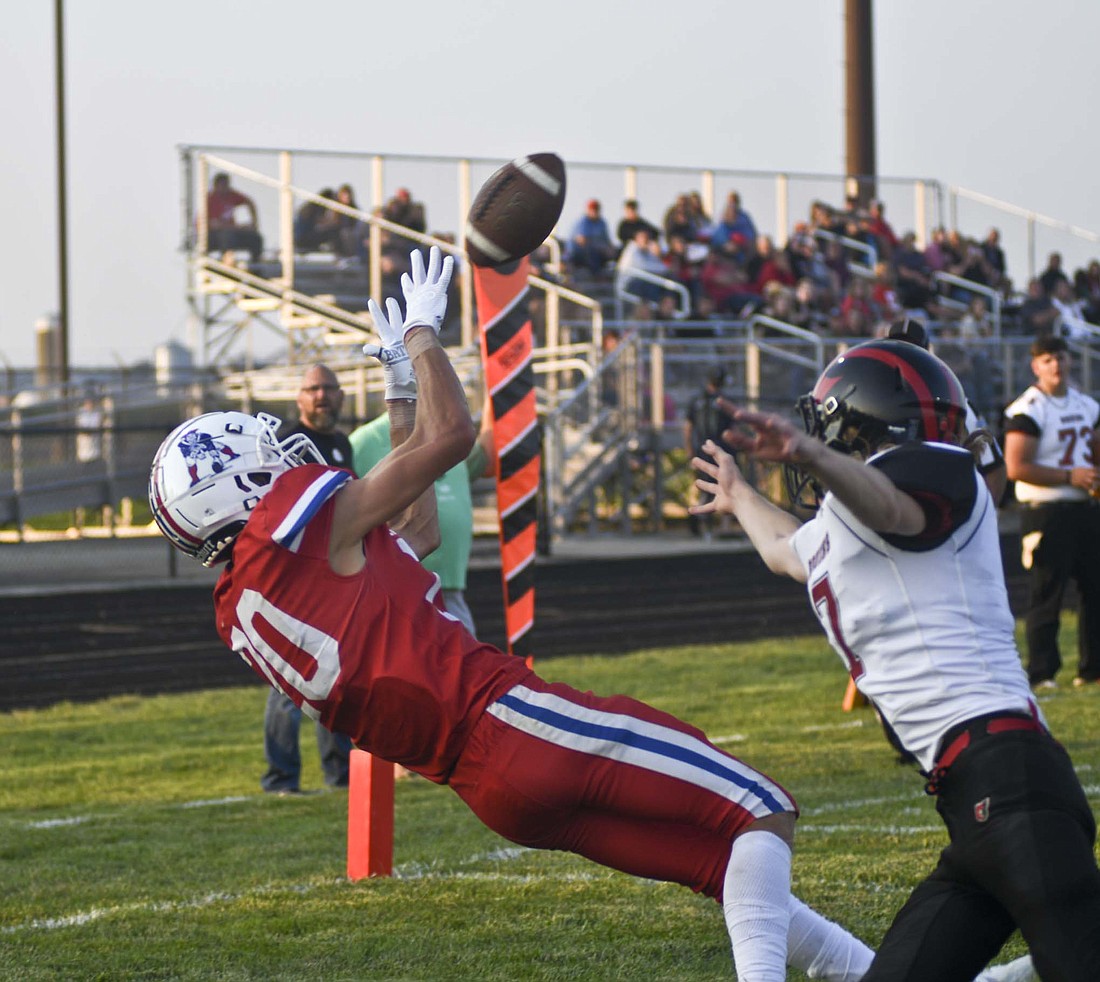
(371, 442)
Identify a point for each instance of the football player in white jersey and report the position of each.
(903, 567)
(1052, 447)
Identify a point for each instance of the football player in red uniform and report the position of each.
(324, 596)
(903, 566)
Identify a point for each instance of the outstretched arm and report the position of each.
(868, 493)
(769, 528)
(436, 419)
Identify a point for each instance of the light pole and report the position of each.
(62, 198)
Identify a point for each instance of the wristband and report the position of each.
(419, 339)
(402, 413)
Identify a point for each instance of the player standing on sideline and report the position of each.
(903, 567)
(1052, 447)
(324, 596)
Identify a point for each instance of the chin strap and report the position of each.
(219, 547)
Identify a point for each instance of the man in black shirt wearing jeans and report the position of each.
(320, 399)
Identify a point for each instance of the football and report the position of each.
(515, 210)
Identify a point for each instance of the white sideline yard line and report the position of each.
(854, 724)
(407, 871)
(861, 803)
(53, 823)
(729, 738)
(871, 829)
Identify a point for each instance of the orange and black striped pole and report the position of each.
(506, 344)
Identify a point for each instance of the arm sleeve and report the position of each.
(1022, 424)
(941, 479)
(475, 463)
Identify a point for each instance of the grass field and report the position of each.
(134, 843)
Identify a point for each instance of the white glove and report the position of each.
(397, 368)
(426, 292)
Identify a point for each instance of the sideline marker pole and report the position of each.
(853, 698)
(370, 815)
(505, 330)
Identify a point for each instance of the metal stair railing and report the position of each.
(585, 440)
(994, 299)
(624, 277)
(758, 344)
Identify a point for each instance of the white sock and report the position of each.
(1020, 970)
(822, 949)
(755, 898)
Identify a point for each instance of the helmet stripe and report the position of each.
(911, 375)
(164, 517)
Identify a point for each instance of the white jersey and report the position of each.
(922, 622)
(1064, 426)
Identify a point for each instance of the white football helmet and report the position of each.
(212, 471)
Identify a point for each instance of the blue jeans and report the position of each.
(282, 722)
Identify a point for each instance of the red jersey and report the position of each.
(372, 655)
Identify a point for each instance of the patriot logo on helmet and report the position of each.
(198, 447)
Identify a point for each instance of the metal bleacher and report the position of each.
(611, 432)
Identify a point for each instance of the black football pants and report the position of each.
(1069, 549)
(1021, 855)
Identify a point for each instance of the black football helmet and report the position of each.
(879, 393)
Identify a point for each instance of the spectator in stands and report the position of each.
(631, 222)
(936, 254)
(734, 220)
(316, 228)
(770, 265)
(1038, 316)
(402, 209)
(808, 263)
(976, 322)
(590, 248)
(700, 220)
(885, 239)
(224, 231)
(678, 219)
(858, 229)
(884, 291)
(1054, 274)
(853, 211)
(352, 233)
(971, 265)
(724, 282)
(914, 277)
(994, 257)
(1086, 284)
(395, 259)
(821, 218)
(643, 253)
(1071, 312)
(684, 266)
(837, 263)
(808, 303)
(857, 315)
(779, 304)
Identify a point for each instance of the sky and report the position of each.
(995, 97)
